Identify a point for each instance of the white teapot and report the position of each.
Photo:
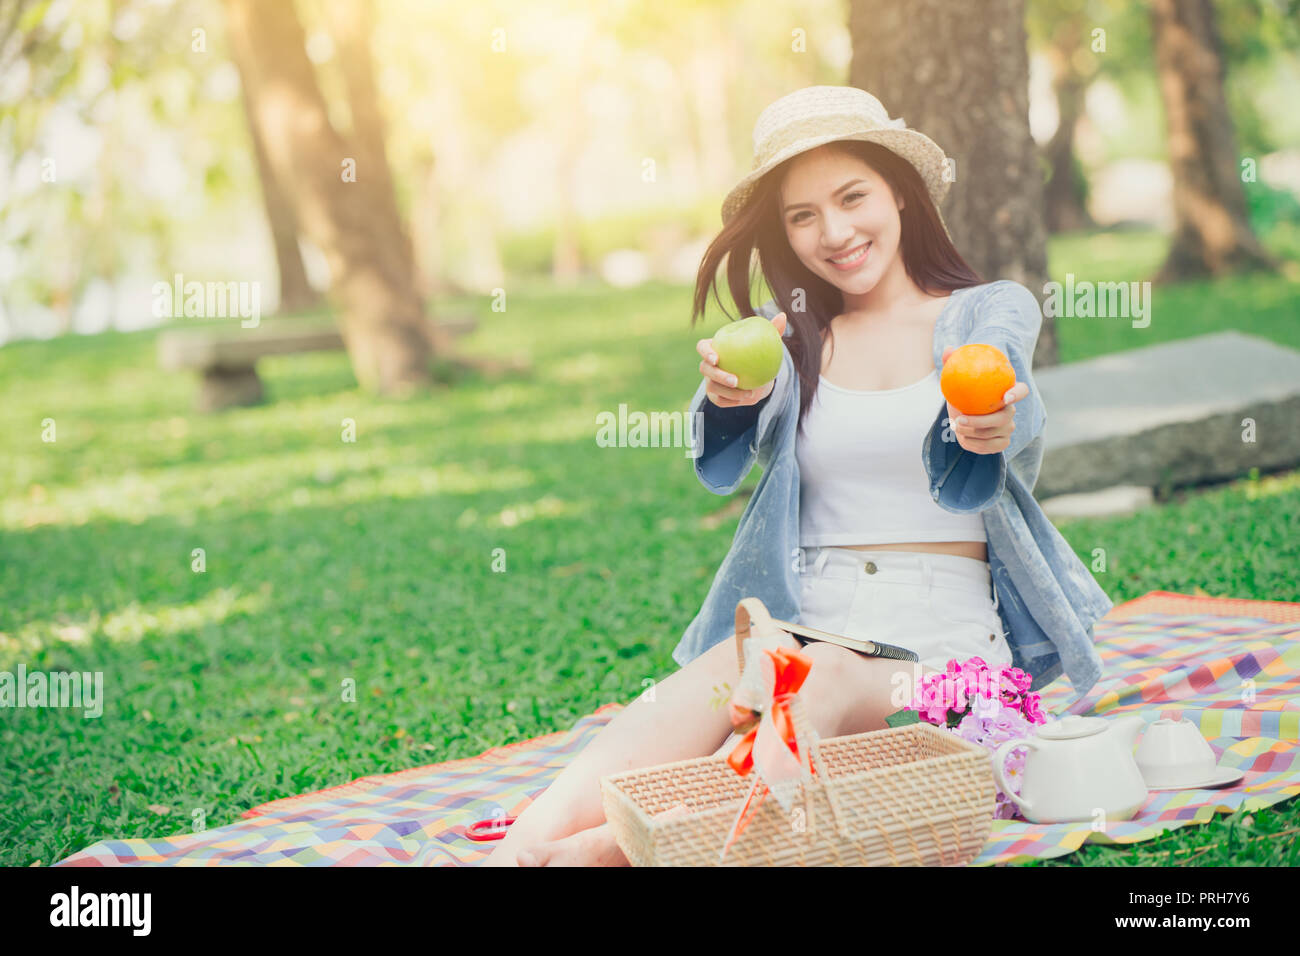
(1075, 767)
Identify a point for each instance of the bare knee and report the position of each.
(852, 693)
(829, 660)
(826, 692)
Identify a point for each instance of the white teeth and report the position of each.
(857, 255)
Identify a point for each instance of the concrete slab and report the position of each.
(1208, 408)
(1119, 500)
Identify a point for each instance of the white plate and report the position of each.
(1221, 776)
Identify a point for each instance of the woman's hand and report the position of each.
(986, 434)
(721, 389)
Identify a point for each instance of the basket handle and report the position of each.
(807, 741)
(753, 620)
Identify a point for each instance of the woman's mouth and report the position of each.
(851, 259)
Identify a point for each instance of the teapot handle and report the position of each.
(999, 771)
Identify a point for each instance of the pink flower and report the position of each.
(938, 694)
(989, 684)
(929, 703)
(1010, 697)
(976, 675)
(954, 692)
(1018, 678)
(1032, 708)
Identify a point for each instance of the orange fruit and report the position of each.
(975, 378)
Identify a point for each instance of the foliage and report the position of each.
(1269, 207)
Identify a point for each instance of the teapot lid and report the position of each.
(1072, 726)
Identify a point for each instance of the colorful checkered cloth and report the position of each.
(1232, 666)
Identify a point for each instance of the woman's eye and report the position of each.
(798, 218)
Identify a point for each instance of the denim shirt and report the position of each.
(1047, 599)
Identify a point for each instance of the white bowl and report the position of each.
(1174, 754)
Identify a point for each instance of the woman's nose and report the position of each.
(836, 231)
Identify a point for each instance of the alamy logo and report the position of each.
(102, 909)
(55, 689)
(1086, 299)
(209, 300)
(656, 430)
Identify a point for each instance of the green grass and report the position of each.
(372, 562)
(1260, 304)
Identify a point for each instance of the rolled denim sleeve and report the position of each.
(961, 481)
(730, 445)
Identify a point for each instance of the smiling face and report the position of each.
(832, 205)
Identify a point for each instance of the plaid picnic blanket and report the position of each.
(1233, 666)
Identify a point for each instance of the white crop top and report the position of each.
(861, 479)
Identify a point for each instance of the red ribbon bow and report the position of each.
(791, 669)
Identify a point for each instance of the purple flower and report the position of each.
(990, 724)
(974, 728)
(985, 706)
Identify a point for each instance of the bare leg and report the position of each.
(844, 693)
(673, 720)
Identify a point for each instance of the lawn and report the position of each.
(377, 561)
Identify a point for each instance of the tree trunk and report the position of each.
(1063, 196)
(384, 325)
(296, 293)
(1212, 234)
(426, 246)
(351, 25)
(964, 82)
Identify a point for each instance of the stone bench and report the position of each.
(227, 361)
(1170, 414)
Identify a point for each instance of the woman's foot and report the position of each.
(592, 847)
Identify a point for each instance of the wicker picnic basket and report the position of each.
(916, 795)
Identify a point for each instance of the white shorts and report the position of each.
(941, 606)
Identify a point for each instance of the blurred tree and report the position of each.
(964, 82)
(351, 25)
(1212, 234)
(1082, 41)
(1256, 36)
(346, 209)
(17, 38)
(1061, 29)
(455, 207)
(296, 293)
(134, 139)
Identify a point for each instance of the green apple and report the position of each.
(750, 350)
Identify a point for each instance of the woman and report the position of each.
(845, 532)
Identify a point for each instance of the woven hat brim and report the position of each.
(912, 145)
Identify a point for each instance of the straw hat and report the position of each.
(815, 115)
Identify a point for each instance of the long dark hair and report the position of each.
(929, 257)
